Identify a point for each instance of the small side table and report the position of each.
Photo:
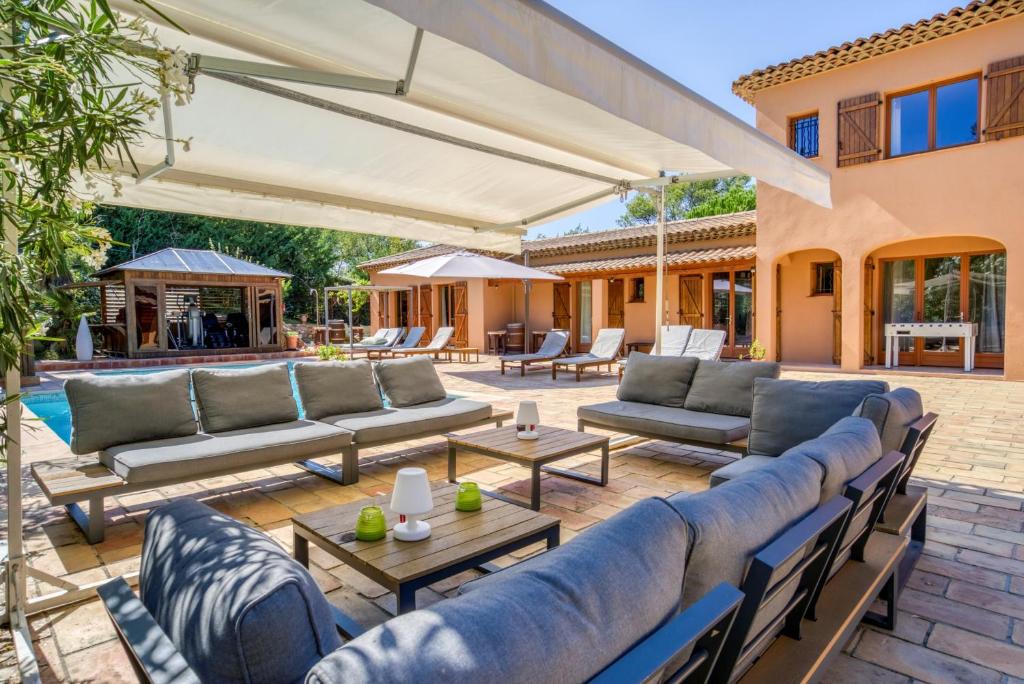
(465, 352)
(635, 346)
(496, 341)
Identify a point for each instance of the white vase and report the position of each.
(83, 342)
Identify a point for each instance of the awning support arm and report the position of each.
(168, 162)
(406, 83)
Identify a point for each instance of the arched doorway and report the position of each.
(808, 307)
(936, 280)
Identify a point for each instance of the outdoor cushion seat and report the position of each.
(892, 413)
(232, 601)
(188, 458)
(389, 424)
(844, 451)
(236, 398)
(409, 381)
(673, 423)
(747, 464)
(562, 616)
(662, 380)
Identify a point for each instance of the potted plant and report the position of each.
(757, 351)
(292, 340)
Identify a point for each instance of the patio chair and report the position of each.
(705, 344)
(410, 342)
(603, 352)
(552, 347)
(437, 344)
(673, 343)
(391, 337)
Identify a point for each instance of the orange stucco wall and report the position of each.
(974, 191)
(809, 338)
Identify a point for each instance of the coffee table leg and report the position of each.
(301, 546)
(406, 599)
(451, 463)
(554, 537)
(604, 465)
(535, 488)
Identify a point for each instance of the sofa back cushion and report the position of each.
(892, 413)
(108, 410)
(727, 387)
(409, 381)
(788, 412)
(331, 388)
(561, 616)
(663, 380)
(236, 398)
(844, 451)
(237, 607)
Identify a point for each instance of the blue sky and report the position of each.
(706, 45)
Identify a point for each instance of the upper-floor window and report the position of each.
(803, 134)
(933, 117)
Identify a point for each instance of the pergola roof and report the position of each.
(194, 261)
(500, 115)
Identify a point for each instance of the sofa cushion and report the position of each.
(189, 458)
(671, 423)
(235, 398)
(662, 380)
(844, 451)
(730, 471)
(562, 616)
(409, 381)
(329, 388)
(731, 523)
(727, 387)
(234, 603)
(397, 424)
(118, 409)
(788, 412)
(892, 413)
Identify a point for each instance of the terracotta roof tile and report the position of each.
(954, 21)
(710, 255)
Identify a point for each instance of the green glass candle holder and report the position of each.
(371, 525)
(468, 497)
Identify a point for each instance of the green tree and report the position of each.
(693, 200)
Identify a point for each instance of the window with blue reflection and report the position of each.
(908, 123)
(956, 113)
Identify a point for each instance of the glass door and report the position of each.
(986, 305)
(899, 302)
(584, 304)
(743, 310)
(940, 290)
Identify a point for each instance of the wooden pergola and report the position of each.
(182, 302)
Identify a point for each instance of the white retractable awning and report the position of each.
(498, 115)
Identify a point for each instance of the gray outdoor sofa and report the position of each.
(146, 434)
(682, 399)
(717, 581)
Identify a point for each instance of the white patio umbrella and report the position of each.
(469, 265)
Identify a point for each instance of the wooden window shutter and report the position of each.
(1005, 99)
(859, 130)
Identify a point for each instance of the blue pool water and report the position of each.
(53, 410)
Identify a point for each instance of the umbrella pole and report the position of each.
(659, 289)
(351, 330)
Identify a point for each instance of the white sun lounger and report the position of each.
(437, 345)
(552, 347)
(603, 352)
(705, 344)
(673, 343)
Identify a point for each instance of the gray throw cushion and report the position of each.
(409, 381)
(845, 450)
(235, 398)
(727, 387)
(238, 608)
(562, 616)
(665, 421)
(731, 523)
(788, 412)
(189, 458)
(329, 388)
(399, 424)
(730, 471)
(118, 409)
(662, 380)
(892, 413)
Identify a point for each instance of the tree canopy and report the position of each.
(693, 200)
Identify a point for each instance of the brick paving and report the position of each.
(961, 618)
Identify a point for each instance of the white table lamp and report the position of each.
(410, 498)
(528, 418)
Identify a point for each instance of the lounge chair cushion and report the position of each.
(671, 423)
(727, 387)
(396, 424)
(562, 616)
(237, 607)
(663, 380)
(189, 458)
(236, 398)
(409, 381)
(118, 409)
(788, 412)
(328, 388)
(892, 413)
(731, 523)
(844, 451)
(730, 471)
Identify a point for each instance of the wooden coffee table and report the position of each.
(553, 444)
(458, 541)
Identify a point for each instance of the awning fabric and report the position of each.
(468, 265)
(506, 75)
